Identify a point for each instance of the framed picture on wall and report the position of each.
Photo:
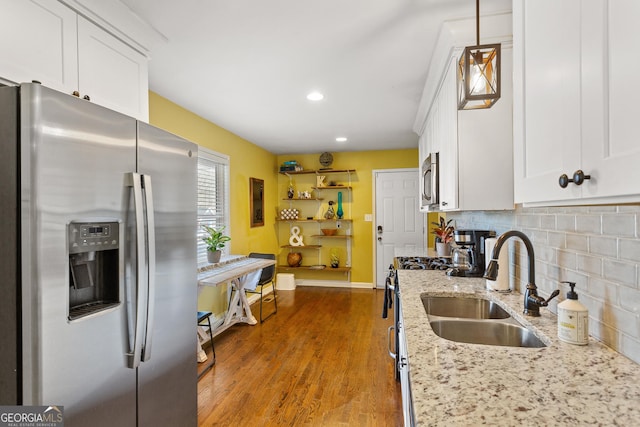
(256, 201)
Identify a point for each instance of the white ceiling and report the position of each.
(247, 65)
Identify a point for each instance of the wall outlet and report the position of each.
(368, 217)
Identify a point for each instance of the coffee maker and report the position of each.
(468, 255)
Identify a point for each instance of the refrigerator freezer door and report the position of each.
(167, 381)
(75, 156)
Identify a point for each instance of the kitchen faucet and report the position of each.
(532, 301)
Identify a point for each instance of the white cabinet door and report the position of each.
(485, 149)
(546, 97)
(38, 42)
(447, 120)
(111, 73)
(575, 94)
(610, 93)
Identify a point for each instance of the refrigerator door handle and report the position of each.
(134, 180)
(151, 266)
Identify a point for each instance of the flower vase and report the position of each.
(294, 259)
(339, 212)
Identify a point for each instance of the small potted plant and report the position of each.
(215, 241)
(444, 235)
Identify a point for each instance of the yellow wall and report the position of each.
(364, 162)
(246, 160)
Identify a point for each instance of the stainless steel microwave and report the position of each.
(430, 185)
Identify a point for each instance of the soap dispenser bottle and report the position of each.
(573, 319)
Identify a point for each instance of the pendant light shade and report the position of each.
(479, 73)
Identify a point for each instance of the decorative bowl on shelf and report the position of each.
(329, 231)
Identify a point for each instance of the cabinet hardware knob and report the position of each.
(579, 177)
(87, 98)
(75, 93)
(563, 180)
(444, 203)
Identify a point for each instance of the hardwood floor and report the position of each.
(320, 361)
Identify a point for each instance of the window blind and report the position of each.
(213, 196)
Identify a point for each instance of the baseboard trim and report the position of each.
(333, 284)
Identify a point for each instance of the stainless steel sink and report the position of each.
(486, 332)
(466, 308)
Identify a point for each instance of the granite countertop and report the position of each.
(458, 384)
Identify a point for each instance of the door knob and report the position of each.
(379, 229)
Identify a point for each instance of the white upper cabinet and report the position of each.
(111, 73)
(38, 42)
(446, 121)
(46, 41)
(574, 96)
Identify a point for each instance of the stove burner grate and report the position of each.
(422, 263)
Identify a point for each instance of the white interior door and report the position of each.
(399, 224)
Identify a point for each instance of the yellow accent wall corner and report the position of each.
(246, 160)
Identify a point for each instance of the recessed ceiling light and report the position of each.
(315, 96)
(341, 139)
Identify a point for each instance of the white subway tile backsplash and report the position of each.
(598, 209)
(608, 335)
(630, 347)
(630, 249)
(548, 222)
(628, 208)
(590, 224)
(620, 319)
(629, 299)
(619, 271)
(567, 259)
(598, 247)
(566, 222)
(589, 264)
(603, 290)
(622, 225)
(577, 242)
(528, 221)
(557, 239)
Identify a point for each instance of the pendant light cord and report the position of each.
(477, 22)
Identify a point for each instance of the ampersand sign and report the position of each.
(296, 238)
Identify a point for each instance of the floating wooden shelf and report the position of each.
(313, 220)
(316, 256)
(333, 187)
(313, 268)
(317, 171)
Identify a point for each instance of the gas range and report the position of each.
(422, 263)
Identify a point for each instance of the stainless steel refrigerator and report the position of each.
(98, 263)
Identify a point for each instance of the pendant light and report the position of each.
(479, 73)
